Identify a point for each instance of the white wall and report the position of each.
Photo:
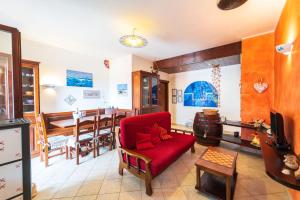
(120, 73)
(53, 65)
(139, 63)
(55, 61)
(230, 93)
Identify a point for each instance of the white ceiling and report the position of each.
(172, 27)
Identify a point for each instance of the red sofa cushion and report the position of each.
(132, 125)
(155, 133)
(164, 134)
(165, 153)
(143, 141)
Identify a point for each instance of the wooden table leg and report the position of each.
(228, 188)
(198, 178)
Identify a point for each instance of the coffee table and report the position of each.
(219, 177)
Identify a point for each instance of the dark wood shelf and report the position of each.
(273, 159)
(234, 140)
(215, 186)
(238, 124)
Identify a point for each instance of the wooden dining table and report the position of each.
(69, 123)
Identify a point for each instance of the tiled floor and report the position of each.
(99, 179)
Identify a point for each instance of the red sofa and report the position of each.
(148, 163)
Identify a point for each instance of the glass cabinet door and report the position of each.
(154, 91)
(145, 91)
(6, 76)
(28, 89)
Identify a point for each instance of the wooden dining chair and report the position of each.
(83, 142)
(117, 119)
(49, 145)
(105, 135)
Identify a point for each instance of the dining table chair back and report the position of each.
(51, 144)
(83, 142)
(105, 134)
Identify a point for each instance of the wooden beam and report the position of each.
(224, 55)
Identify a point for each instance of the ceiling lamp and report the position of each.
(230, 4)
(134, 41)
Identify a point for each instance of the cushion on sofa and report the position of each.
(132, 125)
(143, 141)
(165, 153)
(155, 133)
(164, 134)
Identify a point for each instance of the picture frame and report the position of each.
(174, 99)
(122, 89)
(179, 99)
(91, 94)
(174, 92)
(79, 79)
(179, 92)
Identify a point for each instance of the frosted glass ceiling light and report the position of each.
(134, 41)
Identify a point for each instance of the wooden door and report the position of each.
(163, 95)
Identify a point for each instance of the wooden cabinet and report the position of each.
(15, 172)
(31, 99)
(145, 88)
(10, 73)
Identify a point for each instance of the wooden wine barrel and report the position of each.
(209, 124)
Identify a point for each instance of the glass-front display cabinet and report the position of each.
(6, 86)
(31, 99)
(145, 91)
(10, 57)
(154, 90)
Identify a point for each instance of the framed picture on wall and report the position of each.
(174, 99)
(179, 92)
(79, 79)
(91, 94)
(174, 92)
(122, 89)
(179, 99)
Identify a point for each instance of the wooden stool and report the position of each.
(217, 163)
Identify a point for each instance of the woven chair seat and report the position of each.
(82, 138)
(57, 142)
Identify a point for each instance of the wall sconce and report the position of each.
(49, 86)
(285, 49)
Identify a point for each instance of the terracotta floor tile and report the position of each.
(174, 194)
(89, 188)
(137, 195)
(111, 186)
(93, 197)
(99, 179)
(130, 184)
(157, 195)
(113, 196)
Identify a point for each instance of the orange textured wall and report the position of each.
(287, 72)
(257, 62)
(287, 75)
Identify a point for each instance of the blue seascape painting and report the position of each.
(201, 94)
(122, 89)
(79, 79)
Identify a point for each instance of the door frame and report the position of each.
(167, 95)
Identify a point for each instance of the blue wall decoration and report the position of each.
(79, 79)
(122, 89)
(201, 94)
